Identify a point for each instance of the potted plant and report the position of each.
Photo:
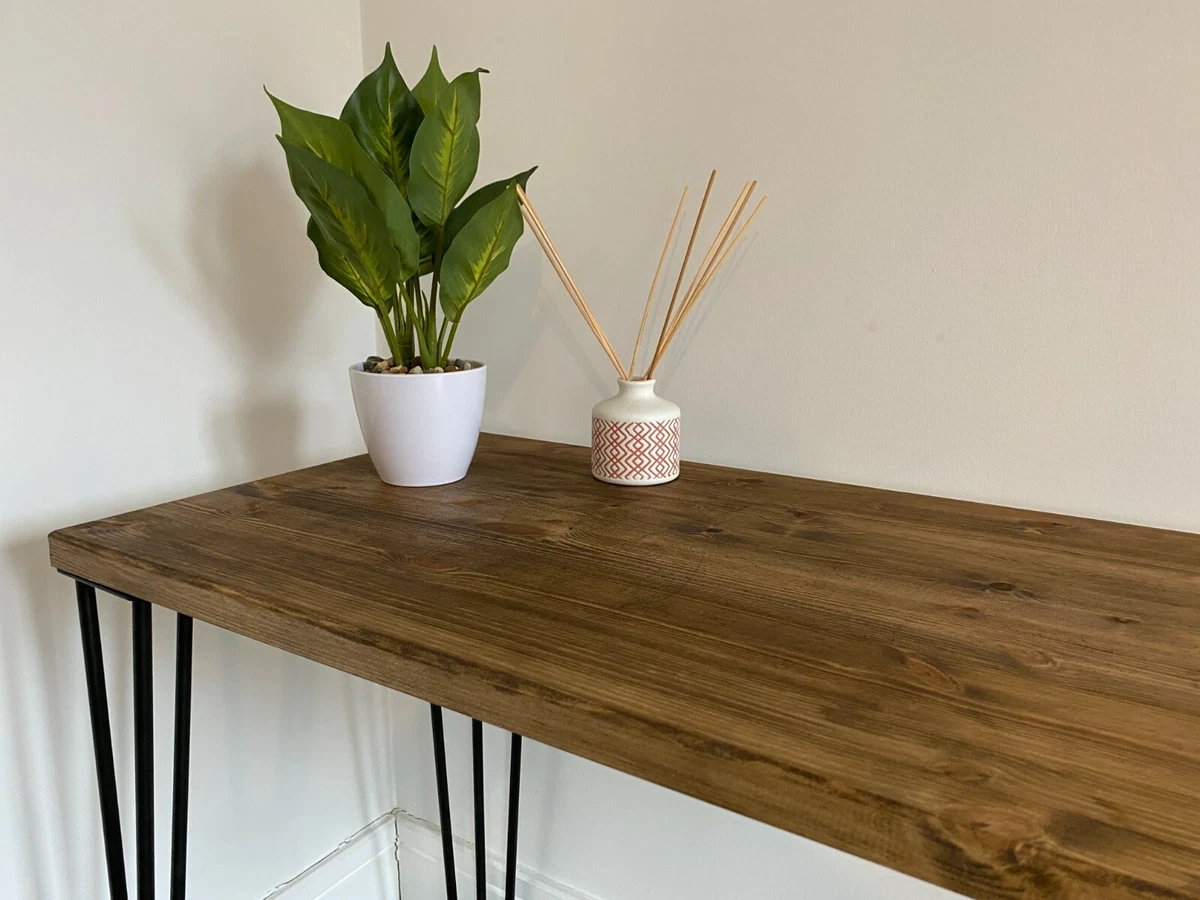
(386, 186)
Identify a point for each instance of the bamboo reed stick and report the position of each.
(679, 308)
(554, 262)
(718, 241)
(682, 269)
(710, 258)
(654, 284)
(739, 207)
(706, 280)
(550, 241)
(580, 303)
(736, 238)
(543, 239)
(584, 308)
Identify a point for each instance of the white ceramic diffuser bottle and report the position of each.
(635, 436)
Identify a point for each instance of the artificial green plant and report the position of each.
(385, 184)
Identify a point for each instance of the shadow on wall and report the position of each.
(241, 276)
(235, 265)
(510, 300)
(40, 666)
(696, 320)
(526, 293)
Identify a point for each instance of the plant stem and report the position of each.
(449, 343)
(416, 311)
(412, 314)
(414, 290)
(389, 332)
(431, 338)
(441, 337)
(432, 335)
(403, 332)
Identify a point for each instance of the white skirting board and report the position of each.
(400, 856)
(362, 867)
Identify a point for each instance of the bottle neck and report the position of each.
(635, 389)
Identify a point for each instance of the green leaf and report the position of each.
(463, 213)
(334, 264)
(332, 141)
(480, 253)
(327, 137)
(384, 115)
(469, 81)
(445, 153)
(350, 224)
(431, 86)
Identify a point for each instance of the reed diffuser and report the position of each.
(635, 434)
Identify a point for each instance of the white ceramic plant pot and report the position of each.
(420, 430)
(635, 436)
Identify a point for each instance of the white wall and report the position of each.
(164, 329)
(975, 277)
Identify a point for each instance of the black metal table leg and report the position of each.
(143, 716)
(443, 791)
(514, 802)
(143, 747)
(514, 806)
(480, 824)
(183, 738)
(93, 664)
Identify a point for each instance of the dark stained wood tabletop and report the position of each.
(1002, 702)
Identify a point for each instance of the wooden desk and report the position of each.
(1001, 702)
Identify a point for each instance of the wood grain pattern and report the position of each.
(1002, 702)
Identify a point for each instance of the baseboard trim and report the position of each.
(371, 848)
(419, 850)
(400, 856)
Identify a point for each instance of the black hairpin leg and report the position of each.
(480, 824)
(93, 664)
(514, 798)
(514, 802)
(443, 792)
(183, 739)
(143, 747)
